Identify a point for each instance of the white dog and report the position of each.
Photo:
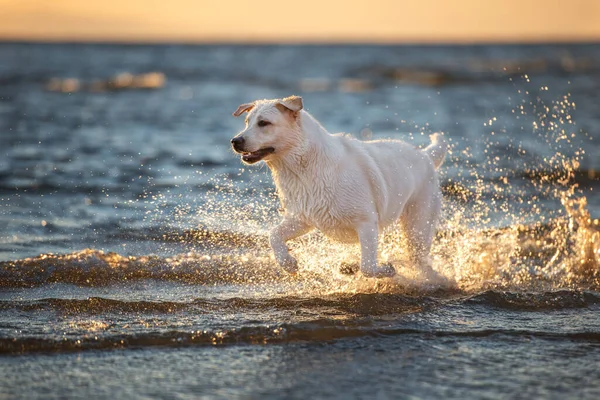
(348, 189)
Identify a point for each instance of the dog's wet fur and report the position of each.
(347, 188)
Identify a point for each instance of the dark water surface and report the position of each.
(134, 260)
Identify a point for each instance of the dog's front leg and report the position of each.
(289, 229)
(368, 235)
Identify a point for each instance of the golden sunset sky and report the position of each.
(300, 20)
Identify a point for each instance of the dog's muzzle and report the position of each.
(249, 157)
(238, 143)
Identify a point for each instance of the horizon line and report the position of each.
(303, 41)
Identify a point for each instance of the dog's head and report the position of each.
(271, 128)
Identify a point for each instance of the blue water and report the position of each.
(133, 253)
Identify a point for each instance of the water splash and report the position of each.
(541, 245)
(514, 219)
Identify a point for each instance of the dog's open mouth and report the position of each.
(257, 155)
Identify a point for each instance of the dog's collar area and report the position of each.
(256, 156)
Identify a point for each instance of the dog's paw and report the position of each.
(349, 268)
(383, 271)
(289, 264)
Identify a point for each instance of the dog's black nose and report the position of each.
(238, 142)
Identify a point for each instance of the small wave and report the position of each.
(475, 71)
(94, 305)
(360, 304)
(95, 268)
(315, 331)
(148, 80)
(556, 300)
(369, 304)
(584, 178)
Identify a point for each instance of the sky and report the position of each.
(301, 20)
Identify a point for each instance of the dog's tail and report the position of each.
(437, 149)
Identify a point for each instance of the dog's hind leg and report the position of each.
(418, 222)
(368, 235)
(288, 229)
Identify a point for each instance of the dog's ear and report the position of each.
(242, 109)
(292, 103)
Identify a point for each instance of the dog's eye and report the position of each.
(262, 123)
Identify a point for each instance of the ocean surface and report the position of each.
(134, 260)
